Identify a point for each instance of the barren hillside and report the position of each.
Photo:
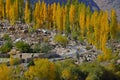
(108, 5)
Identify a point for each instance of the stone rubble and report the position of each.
(21, 32)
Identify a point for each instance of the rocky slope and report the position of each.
(108, 5)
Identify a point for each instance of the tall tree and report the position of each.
(27, 13)
(54, 13)
(59, 18)
(2, 12)
(37, 15)
(113, 25)
(72, 14)
(82, 17)
(21, 5)
(7, 8)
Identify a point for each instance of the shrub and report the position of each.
(45, 48)
(6, 47)
(23, 47)
(93, 71)
(43, 70)
(69, 71)
(106, 56)
(6, 37)
(92, 77)
(74, 35)
(31, 63)
(81, 39)
(61, 40)
(14, 61)
(36, 48)
(31, 30)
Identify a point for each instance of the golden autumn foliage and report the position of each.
(12, 13)
(66, 74)
(82, 19)
(113, 25)
(59, 19)
(49, 18)
(5, 72)
(27, 12)
(72, 14)
(97, 26)
(44, 6)
(36, 13)
(2, 12)
(54, 7)
(43, 69)
(7, 8)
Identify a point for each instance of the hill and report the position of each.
(108, 5)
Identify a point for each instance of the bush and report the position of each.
(6, 47)
(45, 48)
(92, 77)
(14, 61)
(93, 71)
(106, 56)
(36, 48)
(61, 40)
(23, 47)
(81, 39)
(6, 37)
(42, 70)
(74, 35)
(31, 30)
(67, 70)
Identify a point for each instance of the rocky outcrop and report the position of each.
(108, 5)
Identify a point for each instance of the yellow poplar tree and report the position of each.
(21, 4)
(64, 17)
(54, 6)
(49, 16)
(88, 27)
(2, 14)
(27, 13)
(44, 11)
(82, 19)
(113, 25)
(8, 2)
(105, 31)
(72, 14)
(59, 18)
(37, 13)
(12, 14)
(96, 28)
(16, 9)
